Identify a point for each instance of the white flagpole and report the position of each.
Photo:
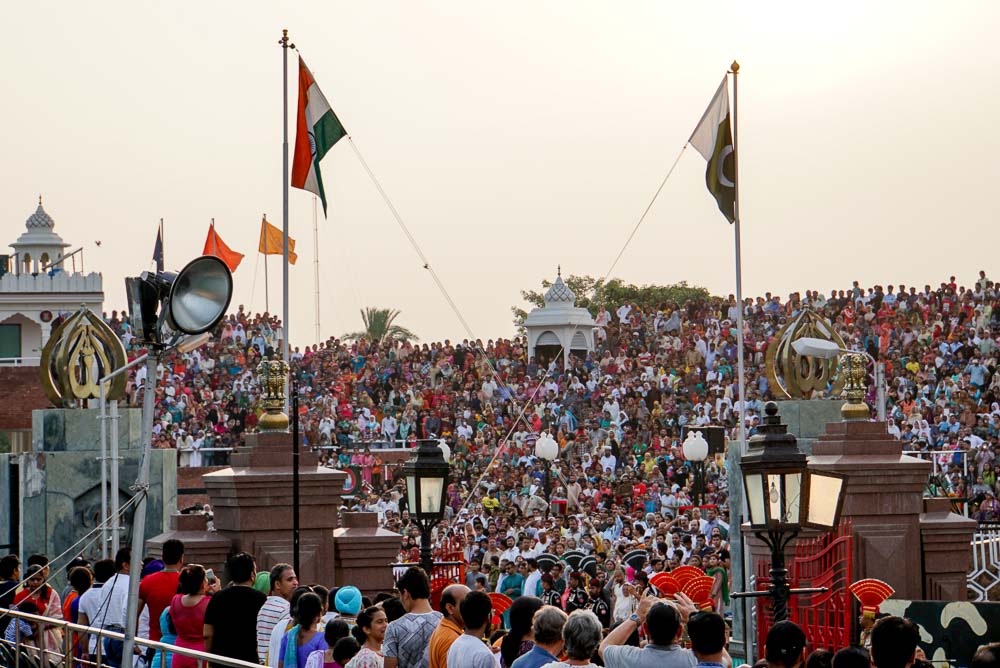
(739, 266)
(316, 265)
(285, 324)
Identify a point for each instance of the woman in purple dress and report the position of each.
(305, 637)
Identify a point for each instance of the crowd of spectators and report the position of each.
(271, 619)
(620, 482)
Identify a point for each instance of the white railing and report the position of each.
(32, 652)
(984, 578)
(20, 361)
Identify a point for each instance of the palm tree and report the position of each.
(379, 327)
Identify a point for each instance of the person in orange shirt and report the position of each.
(450, 628)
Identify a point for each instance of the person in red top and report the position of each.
(158, 589)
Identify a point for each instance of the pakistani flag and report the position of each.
(714, 140)
(318, 129)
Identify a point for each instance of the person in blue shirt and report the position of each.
(547, 627)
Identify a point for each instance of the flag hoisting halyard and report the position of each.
(317, 130)
(714, 140)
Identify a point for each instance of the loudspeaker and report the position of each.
(199, 295)
(191, 301)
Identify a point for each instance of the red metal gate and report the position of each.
(826, 561)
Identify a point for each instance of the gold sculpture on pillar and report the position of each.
(795, 376)
(81, 351)
(273, 373)
(855, 371)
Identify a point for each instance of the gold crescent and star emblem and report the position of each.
(81, 351)
(795, 376)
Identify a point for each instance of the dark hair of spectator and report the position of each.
(80, 578)
(707, 631)
(190, 580)
(477, 608)
(854, 656)
(345, 650)
(241, 567)
(662, 622)
(521, 613)
(415, 583)
(104, 570)
(334, 630)
(173, 552)
(894, 640)
(393, 608)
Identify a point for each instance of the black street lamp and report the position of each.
(426, 488)
(547, 449)
(695, 450)
(783, 496)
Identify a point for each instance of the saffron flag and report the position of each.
(316, 131)
(714, 140)
(272, 242)
(158, 250)
(214, 245)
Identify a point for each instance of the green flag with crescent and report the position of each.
(714, 140)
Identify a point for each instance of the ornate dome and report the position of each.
(40, 220)
(560, 293)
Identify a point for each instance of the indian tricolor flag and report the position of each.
(317, 131)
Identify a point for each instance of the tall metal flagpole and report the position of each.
(267, 291)
(744, 565)
(316, 265)
(285, 324)
(739, 265)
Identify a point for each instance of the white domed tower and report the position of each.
(38, 287)
(559, 326)
(39, 246)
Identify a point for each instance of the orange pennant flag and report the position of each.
(272, 242)
(214, 245)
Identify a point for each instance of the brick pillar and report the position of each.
(883, 499)
(363, 553)
(201, 546)
(252, 503)
(946, 541)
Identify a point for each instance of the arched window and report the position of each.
(27, 263)
(45, 261)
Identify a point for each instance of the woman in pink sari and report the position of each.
(367, 461)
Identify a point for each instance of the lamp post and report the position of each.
(426, 487)
(783, 497)
(547, 450)
(164, 307)
(695, 449)
(828, 350)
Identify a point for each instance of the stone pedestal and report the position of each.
(808, 418)
(252, 503)
(364, 552)
(946, 538)
(201, 546)
(59, 485)
(883, 498)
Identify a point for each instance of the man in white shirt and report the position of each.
(110, 614)
(90, 602)
(469, 650)
(275, 608)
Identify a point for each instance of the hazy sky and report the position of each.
(512, 137)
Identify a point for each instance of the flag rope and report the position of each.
(644, 213)
(576, 327)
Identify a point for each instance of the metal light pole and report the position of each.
(695, 449)
(426, 487)
(295, 475)
(547, 450)
(784, 496)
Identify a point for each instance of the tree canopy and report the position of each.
(379, 327)
(592, 294)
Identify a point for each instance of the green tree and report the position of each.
(379, 327)
(592, 294)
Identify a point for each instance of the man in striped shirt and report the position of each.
(283, 583)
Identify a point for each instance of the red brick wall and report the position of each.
(20, 393)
